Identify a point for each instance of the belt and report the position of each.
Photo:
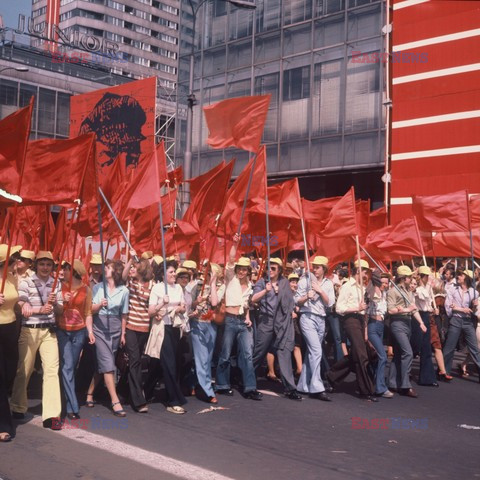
(39, 325)
(234, 316)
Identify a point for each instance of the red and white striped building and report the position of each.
(435, 123)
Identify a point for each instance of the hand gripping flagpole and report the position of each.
(164, 255)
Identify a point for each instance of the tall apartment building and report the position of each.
(139, 38)
(326, 122)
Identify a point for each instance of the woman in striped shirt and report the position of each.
(139, 277)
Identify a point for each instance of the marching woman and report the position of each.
(401, 307)
(73, 327)
(139, 278)
(460, 304)
(8, 346)
(110, 311)
(204, 331)
(168, 310)
(238, 326)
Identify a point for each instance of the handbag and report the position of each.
(122, 360)
(371, 352)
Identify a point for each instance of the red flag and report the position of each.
(175, 177)
(197, 183)
(237, 192)
(14, 134)
(144, 190)
(63, 180)
(210, 199)
(401, 239)
(237, 122)
(442, 213)
(342, 221)
(475, 211)
(377, 219)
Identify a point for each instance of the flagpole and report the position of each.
(471, 238)
(116, 220)
(359, 266)
(164, 255)
(102, 253)
(382, 270)
(305, 246)
(249, 184)
(267, 223)
(420, 241)
(129, 226)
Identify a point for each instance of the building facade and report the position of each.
(326, 122)
(142, 35)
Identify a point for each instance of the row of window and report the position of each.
(119, 6)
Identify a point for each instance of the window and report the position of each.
(239, 54)
(327, 98)
(63, 113)
(46, 111)
(8, 92)
(329, 31)
(240, 23)
(296, 83)
(267, 47)
(297, 39)
(296, 11)
(364, 22)
(268, 14)
(40, 11)
(264, 85)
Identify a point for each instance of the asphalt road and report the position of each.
(276, 438)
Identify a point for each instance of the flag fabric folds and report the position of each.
(237, 122)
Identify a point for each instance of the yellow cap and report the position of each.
(28, 254)
(243, 262)
(147, 255)
(277, 261)
(424, 270)
(320, 260)
(3, 251)
(170, 258)
(404, 271)
(363, 263)
(469, 273)
(96, 259)
(293, 276)
(79, 267)
(43, 254)
(189, 264)
(216, 269)
(158, 259)
(181, 271)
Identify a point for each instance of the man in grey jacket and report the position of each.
(275, 324)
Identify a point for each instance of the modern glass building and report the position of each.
(326, 118)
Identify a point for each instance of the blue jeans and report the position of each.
(313, 330)
(375, 335)
(455, 328)
(235, 328)
(203, 335)
(70, 345)
(334, 323)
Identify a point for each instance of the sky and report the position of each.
(10, 9)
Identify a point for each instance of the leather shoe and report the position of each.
(293, 395)
(253, 395)
(329, 389)
(18, 415)
(434, 384)
(73, 416)
(409, 392)
(321, 396)
(226, 391)
(371, 398)
(53, 423)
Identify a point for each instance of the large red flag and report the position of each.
(175, 177)
(342, 220)
(401, 239)
(442, 213)
(144, 190)
(210, 199)
(49, 179)
(377, 219)
(475, 211)
(14, 134)
(197, 183)
(238, 191)
(237, 122)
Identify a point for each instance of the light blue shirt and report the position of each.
(117, 300)
(316, 304)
